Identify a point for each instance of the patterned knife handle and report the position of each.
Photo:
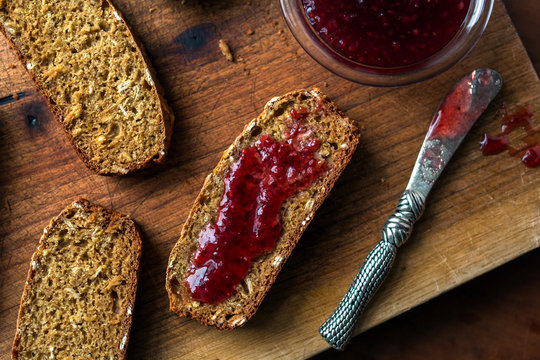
(338, 328)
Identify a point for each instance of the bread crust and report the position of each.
(179, 301)
(166, 111)
(136, 242)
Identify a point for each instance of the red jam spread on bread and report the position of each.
(529, 151)
(248, 222)
(386, 33)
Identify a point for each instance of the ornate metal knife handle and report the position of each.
(338, 328)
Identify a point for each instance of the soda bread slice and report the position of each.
(80, 291)
(95, 78)
(338, 136)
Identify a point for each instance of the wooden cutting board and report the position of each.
(483, 212)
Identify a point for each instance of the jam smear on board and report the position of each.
(248, 222)
(529, 152)
(386, 33)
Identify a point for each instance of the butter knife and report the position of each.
(459, 110)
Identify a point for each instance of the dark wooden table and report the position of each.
(495, 316)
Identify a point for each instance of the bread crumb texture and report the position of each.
(80, 289)
(87, 64)
(338, 136)
(226, 50)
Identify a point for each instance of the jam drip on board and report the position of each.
(386, 33)
(248, 222)
(529, 152)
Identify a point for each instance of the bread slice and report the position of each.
(95, 77)
(80, 291)
(338, 136)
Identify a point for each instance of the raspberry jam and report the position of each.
(386, 33)
(529, 151)
(249, 216)
(493, 144)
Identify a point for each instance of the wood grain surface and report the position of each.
(495, 316)
(483, 212)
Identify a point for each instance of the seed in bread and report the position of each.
(338, 138)
(79, 295)
(95, 78)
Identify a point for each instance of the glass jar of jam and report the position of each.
(387, 42)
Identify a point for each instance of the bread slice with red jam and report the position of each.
(254, 207)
